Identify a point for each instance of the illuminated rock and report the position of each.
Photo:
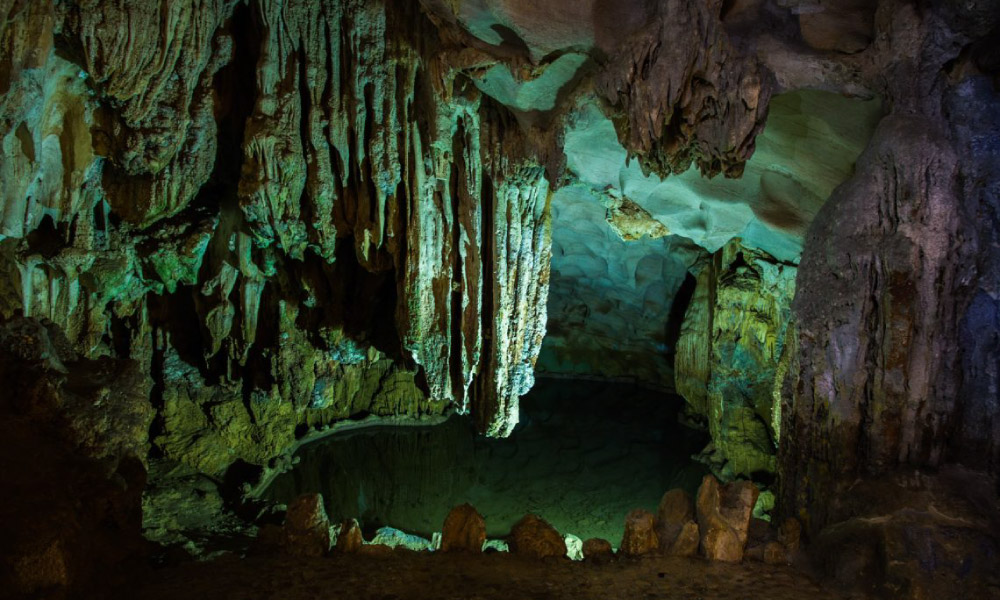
(729, 352)
(724, 513)
(464, 530)
(349, 540)
(306, 531)
(675, 510)
(574, 547)
(640, 534)
(534, 537)
(687, 541)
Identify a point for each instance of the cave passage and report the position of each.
(584, 454)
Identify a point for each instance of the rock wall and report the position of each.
(729, 355)
(897, 266)
(287, 213)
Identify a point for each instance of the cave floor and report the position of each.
(403, 574)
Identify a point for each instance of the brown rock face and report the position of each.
(349, 540)
(532, 536)
(724, 513)
(597, 549)
(306, 530)
(640, 533)
(687, 541)
(693, 98)
(676, 509)
(464, 530)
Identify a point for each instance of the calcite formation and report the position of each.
(729, 355)
(221, 194)
(226, 226)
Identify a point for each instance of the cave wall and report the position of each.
(896, 268)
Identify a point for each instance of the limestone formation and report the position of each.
(640, 534)
(464, 530)
(532, 536)
(143, 201)
(226, 226)
(574, 547)
(724, 513)
(729, 354)
(694, 99)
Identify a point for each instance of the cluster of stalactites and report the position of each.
(354, 135)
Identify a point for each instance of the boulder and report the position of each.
(350, 541)
(676, 509)
(533, 536)
(640, 533)
(306, 531)
(597, 549)
(686, 543)
(464, 530)
(724, 517)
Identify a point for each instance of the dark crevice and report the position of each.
(678, 309)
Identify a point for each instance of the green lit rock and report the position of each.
(729, 353)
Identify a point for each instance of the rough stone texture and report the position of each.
(213, 199)
(728, 361)
(693, 98)
(535, 538)
(615, 306)
(263, 217)
(914, 535)
(676, 509)
(775, 553)
(687, 541)
(895, 272)
(597, 549)
(349, 539)
(464, 530)
(307, 528)
(640, 533)
(72, 443)
(790, 534)
(724, 513)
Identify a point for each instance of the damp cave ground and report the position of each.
(583, 455)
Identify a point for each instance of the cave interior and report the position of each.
(500, 298)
